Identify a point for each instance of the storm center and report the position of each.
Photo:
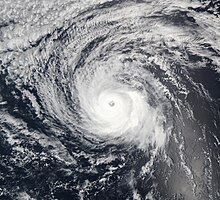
(111, 103)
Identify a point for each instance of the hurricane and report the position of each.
(110, 100)
(112, 107)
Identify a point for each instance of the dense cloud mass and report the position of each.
(110, 100)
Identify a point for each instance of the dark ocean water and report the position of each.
(110, 100)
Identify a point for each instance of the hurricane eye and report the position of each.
(111, 103)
